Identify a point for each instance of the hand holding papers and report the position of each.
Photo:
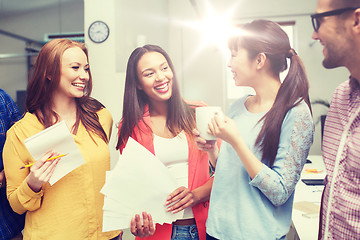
(56, 138)
(139, 182)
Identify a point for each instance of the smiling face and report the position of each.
(155, 76)
(242, 67)
(74, 73)
(334, 36)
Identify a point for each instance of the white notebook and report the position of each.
(58, 139)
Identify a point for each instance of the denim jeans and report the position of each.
(183, 232)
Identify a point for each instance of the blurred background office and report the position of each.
(192, 31)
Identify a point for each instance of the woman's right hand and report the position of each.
(142, 230)
(41, 172)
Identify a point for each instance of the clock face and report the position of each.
(98, 32)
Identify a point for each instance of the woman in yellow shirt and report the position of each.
(59, 89)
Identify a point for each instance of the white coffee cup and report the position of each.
(203, 118)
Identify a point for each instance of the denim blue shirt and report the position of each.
(10, 223)
(259, 208)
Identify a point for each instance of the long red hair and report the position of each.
(44, 80)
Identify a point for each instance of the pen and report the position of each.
(49, 159)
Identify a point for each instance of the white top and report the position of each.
(174, 154)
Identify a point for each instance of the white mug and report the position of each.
(203, 118)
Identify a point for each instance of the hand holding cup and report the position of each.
(204, 115)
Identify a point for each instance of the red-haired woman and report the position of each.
(59, 90)
(267, 137)
(156, 116)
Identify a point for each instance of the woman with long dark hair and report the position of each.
(156, 116)
(59, 89)
(267, 138)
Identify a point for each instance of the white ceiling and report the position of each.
(15, 7)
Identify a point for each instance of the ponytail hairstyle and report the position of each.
(44, 80)
(179, 117)
(263, 36)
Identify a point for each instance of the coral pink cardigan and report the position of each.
(198, 175)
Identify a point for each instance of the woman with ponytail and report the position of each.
(267, 137)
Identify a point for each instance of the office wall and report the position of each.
(67, 17)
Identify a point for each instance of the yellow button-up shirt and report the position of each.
(72, 207)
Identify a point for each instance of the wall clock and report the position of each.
(98, 31)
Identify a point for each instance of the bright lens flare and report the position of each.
(217, 29)
(212, 29)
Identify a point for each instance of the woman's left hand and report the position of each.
(203, 144)
(224, 128)
(182, 198)
(143, 228)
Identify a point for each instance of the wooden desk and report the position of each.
(305, 215)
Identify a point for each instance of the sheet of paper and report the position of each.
(308, 193)
(307, 207)
(139, 182)
(58, 139)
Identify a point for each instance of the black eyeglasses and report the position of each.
(315, 18)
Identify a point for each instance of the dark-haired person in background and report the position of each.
(267, 137)
(11, 223)
(337, 27)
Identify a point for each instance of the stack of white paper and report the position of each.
(56, 138)
(139, 182)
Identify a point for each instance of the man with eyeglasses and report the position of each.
(337, 26)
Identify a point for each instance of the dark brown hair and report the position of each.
(44, 79)
(179, 117)
(263, 36)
